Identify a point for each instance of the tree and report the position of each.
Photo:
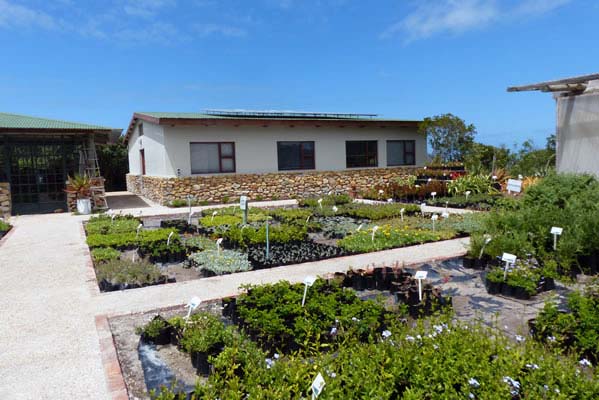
(114, 164)
(449, 136)
(484, 158)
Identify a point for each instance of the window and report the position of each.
(141, 129)
(401, 152)
(361, 153)
(295, 155)
(208, 158)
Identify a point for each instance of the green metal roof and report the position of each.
(15, 121)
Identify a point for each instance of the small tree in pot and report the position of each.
(80, 186)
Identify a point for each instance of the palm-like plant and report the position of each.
(80, 185)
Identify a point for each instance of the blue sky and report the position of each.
(98, 61)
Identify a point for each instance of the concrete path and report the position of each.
(49, 342)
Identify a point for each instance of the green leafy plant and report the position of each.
(126, 271)
(221, 262)
(101, 254)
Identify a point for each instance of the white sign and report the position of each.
(445, 215)
(514, 185)
(309, 280)
(433, 194)
(435, 217)
(556, 230)
(508, 258)
(421, 274)
(317, 385)
(243, 202)
(194, 303)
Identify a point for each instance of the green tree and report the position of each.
(449, 136)
(484, 158)
(534, 161)
(114, 164)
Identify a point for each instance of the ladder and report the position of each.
(89, 166)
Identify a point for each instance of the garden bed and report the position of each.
(130, 253)
(265, 344)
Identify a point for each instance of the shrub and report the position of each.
(103, 224)
(474, 183)
(102, 254)
(328, 200)
(4, 226)
(219, 263)
(249, 235)
(291, 253)
(125, 271)
(379, 211)
(387, 238)
(204, 332)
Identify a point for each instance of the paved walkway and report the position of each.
(49, 346)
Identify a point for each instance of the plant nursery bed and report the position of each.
(129, 252)
(264, 344)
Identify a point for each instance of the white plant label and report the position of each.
(168, 240)
(335, 209)
(320, 203)
(243, 202)
(359, 227)
(139, 228)
(514, 185)
(556, 230)
(445, 215)
(317, 385)
(309, 280)
(433, 194)
(508, 258)
(420, 276)
(403, 210)
(389, 200)
(435, 217)
(374, 229)
(194, 303)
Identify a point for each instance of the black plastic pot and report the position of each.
(468, 262)
(358, 282)
(370, 282)
(199, 360)
(493, 287)
(548, 283)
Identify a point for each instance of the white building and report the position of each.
(577, 136)
(220, 143)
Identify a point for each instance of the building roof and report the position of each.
(264, 118)
(24, 122)
(573, 84)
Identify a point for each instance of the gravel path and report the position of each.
(50, 346)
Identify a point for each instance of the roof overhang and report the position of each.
(265, 122)
(573, 85)
(100, 136)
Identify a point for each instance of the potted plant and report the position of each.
(80, 186)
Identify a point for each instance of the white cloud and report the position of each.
(218, 29)
(432, 17)
(15, 15)
(146, 8)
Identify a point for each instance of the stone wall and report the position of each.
(5, 200)
(270, 186)
(96, 195)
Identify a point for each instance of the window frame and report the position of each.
(140, 129)
(405, 152)
(366, 155)
(220, 158)
(302, 155)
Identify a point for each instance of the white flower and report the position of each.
(355, 319)
(269, 362)
(520, 339)
(418, 337)
(473, 382)
(585, 363)
(551, 338)
(512, 382)
(333, 331)
(471, 396)
(435, 347)
(276, 356)
(556, 390)
(386, 334)
(410, 338)
(532, 366)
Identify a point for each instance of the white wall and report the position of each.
(256, 147)
(152, 141)
(578, 133)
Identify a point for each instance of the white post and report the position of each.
(374, 229)
(467, 194)
(447, 206)
(359, 227)
(556, 231)
(320, 203)
(434, 218)
(218, 242)
(138, 229)
(420, 276)
(403, 210)
(433, 194)
(482, 250)
(422, 205)
(213, 215)
(308, 281)
(168, 241)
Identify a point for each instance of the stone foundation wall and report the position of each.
(5, 200)
(270, 186)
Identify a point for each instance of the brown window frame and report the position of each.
(220, 158)
(304, 155)
(369, 153)
(142, 159)
(405, 152)
(141, 129)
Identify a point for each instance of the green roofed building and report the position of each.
(36, 157)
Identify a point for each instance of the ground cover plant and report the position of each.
(4, 228)
(277, 354)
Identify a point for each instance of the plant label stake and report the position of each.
(482, 250)
(308, 219)
(189, 217)
(389, 200)
(112, 218)
(330, 192)
(374, 229)
(138, 229)
(403, 210)
(509, 259)
(168, 240)
(359, 227)
(447, 206)
(192, 305)
(218, 242)
(556, 231)
(420, 276)
(467, 193)
(308, 281)
(317, 386)
(433, 194)
(243, 205)
(213, 215)
(435, 217)
(320, 203)
(335, 209)
(267, 241)
(445, 214)
(422, 205)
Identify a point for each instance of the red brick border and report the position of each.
(90, 273)
(112, 368)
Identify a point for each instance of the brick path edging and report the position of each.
(110, 361)
(7, 235)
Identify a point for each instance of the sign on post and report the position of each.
(420, 276)
(243, 205)
(317, 386)
(509, 259)
(556, 231)
(308, 281)
(192, 305)
(514, 185)
(435, 217)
